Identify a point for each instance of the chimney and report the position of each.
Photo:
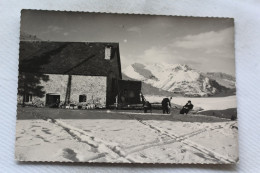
(107, 52)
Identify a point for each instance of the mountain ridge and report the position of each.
(28, 37)
(181, 79)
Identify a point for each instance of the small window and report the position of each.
(82, 98)
(28, 98)
(125, 92)
(108, 53)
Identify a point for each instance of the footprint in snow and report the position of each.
(143, 156)
(70, 154)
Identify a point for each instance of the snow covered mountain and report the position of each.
(177, 78)
(223, 79)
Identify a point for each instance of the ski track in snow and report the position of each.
(105, 149)
(184, 139)
(112, 151)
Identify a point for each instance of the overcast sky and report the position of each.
(205, 44)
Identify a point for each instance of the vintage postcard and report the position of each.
(126, 88)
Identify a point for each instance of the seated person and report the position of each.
(187, 108)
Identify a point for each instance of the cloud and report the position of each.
(211, 42)
(156, 54)
(209, 51)
(55, 28)
(166, 54)
(134, 29)
(153, 54)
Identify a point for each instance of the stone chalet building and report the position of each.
(73, 73)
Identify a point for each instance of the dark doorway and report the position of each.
(82, 98)
(129, 92)
(52, 100)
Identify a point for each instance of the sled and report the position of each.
(184, 111)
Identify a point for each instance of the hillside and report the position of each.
(180, 79)
(27, 37)
(223, 79)
(148, 89)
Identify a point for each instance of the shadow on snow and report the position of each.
(38, 113)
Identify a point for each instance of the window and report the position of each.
(125, 92)
(82, 98)
(108, 53)
(28, 98)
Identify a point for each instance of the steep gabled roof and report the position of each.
(76, 58)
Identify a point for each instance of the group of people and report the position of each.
(166, 106)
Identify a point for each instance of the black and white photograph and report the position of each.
(126, 88)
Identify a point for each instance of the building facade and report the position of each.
(83, 90)
(71, 73)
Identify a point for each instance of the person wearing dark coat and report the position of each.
(147, 106)
(186, 108)
(166, 105)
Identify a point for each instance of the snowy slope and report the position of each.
(143, 141)
(223, 79)
(175, 78)
(148, 89)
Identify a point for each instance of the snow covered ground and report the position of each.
(128, 140)
(206, 103)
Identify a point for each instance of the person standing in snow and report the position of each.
(147, 106)
(186, 108)
(166, 105)
(116, 102)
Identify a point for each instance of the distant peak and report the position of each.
(221, 74)
(182, 67)
(139, 65)
(180, 78)
(174, 67)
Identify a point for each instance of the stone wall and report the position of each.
(94, 87)
(57, 84)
